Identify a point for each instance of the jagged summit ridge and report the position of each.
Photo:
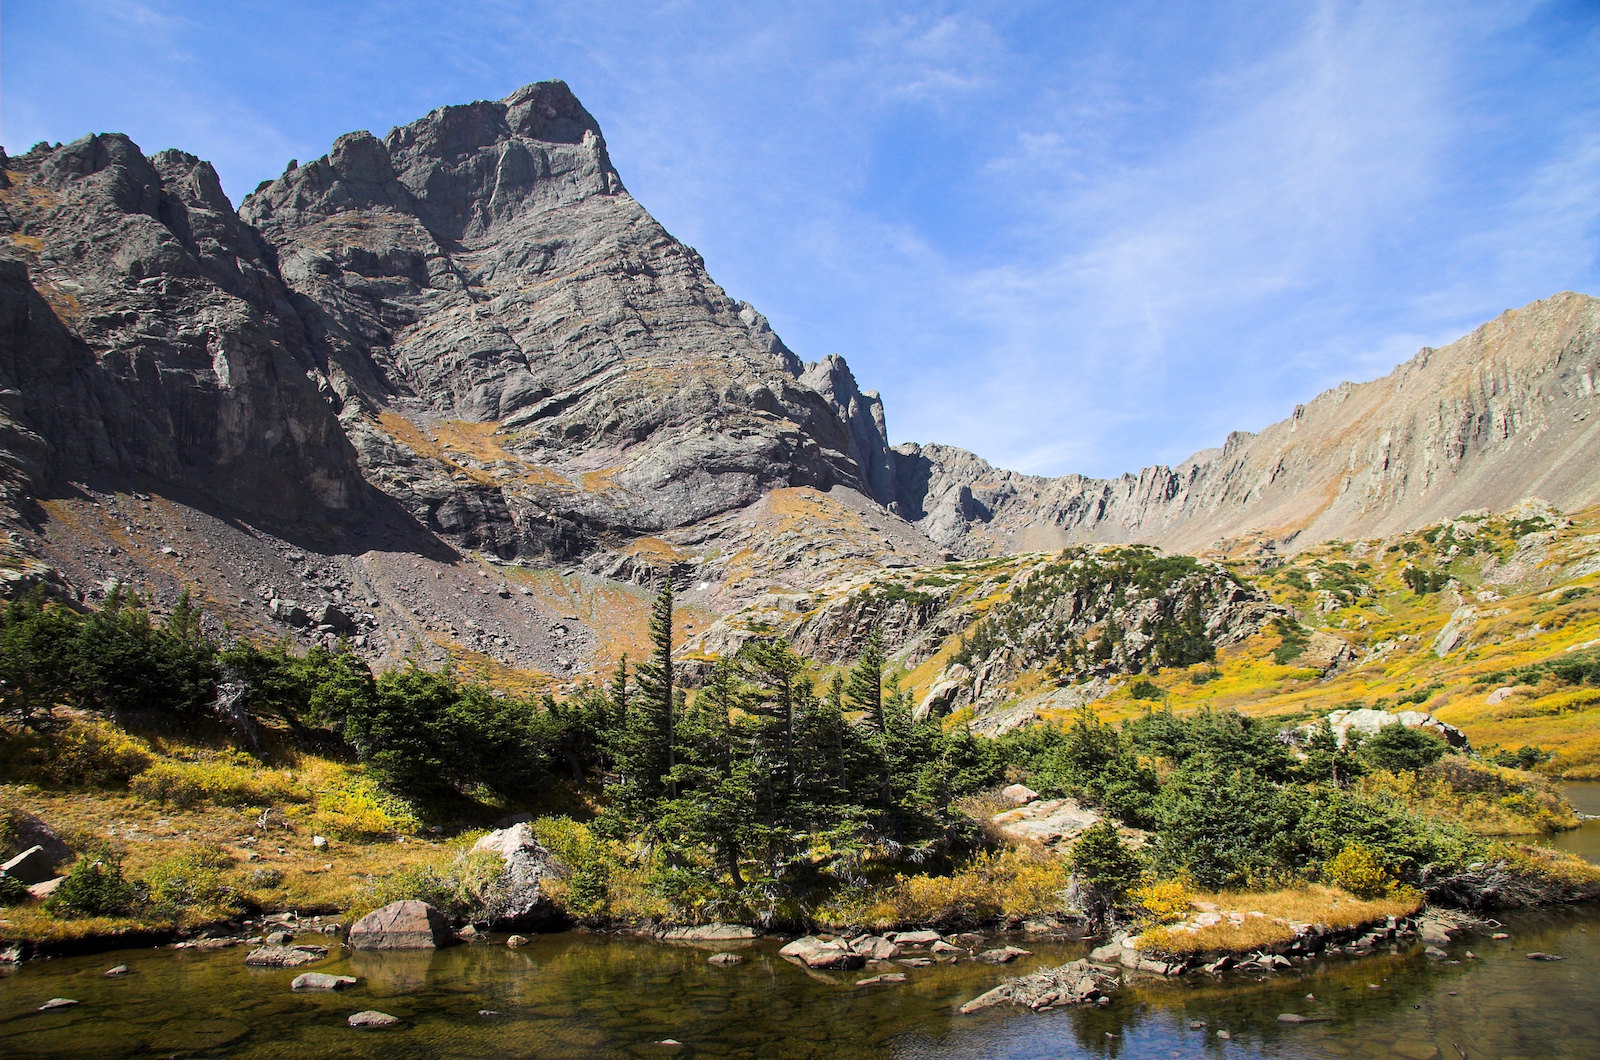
(485, 264)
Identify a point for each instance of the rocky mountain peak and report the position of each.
(458, 170)
(863, 416)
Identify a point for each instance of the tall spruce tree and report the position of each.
(774, 669)
(651, 734)
(864, 690)
(716, 778)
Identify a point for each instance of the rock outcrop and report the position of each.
(147, 336)
(484, 265)
(1368, 722)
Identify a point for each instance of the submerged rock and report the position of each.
(321, 981)
(1070, 984)
(372, 1018)
(711, 933)
(284, 956)
(885, 978)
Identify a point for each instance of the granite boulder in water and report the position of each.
(405, 925)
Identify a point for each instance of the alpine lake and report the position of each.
(586, 995)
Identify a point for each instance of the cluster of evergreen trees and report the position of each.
(754, 770)
(766, 776)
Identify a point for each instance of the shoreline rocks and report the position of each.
(816, 953)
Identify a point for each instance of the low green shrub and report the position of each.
(93, 754)
(95, 886)
(195, 878)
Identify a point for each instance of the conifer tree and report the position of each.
(865, 688)
(650, 752)
(775, 670)
(715, 778)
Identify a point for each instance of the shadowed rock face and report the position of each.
(145, 334)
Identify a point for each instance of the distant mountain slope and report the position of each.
(1507, 412)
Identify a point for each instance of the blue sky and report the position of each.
(1067, 236)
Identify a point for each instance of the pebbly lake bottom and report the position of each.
(575, 995)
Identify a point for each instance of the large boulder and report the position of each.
(29, 831)
(518, 898)
(30, 867)
(1368, 722)
(405, 925)
(1045, 821)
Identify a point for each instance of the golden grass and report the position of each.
(1279, 912)
(601, 481)
(413, 437)
(30, 923)
(215, 821)
(1017, 882)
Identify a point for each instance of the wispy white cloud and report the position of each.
(1068, 237)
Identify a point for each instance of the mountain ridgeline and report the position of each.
(464, 350)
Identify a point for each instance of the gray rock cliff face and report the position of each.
(467, 336)
(484, 265)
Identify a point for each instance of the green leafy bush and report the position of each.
(91, 754)
(1144, 689)
(1360, 870)
(95, 886)
(1401, 749)
(1105, 868)
(193, 879)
